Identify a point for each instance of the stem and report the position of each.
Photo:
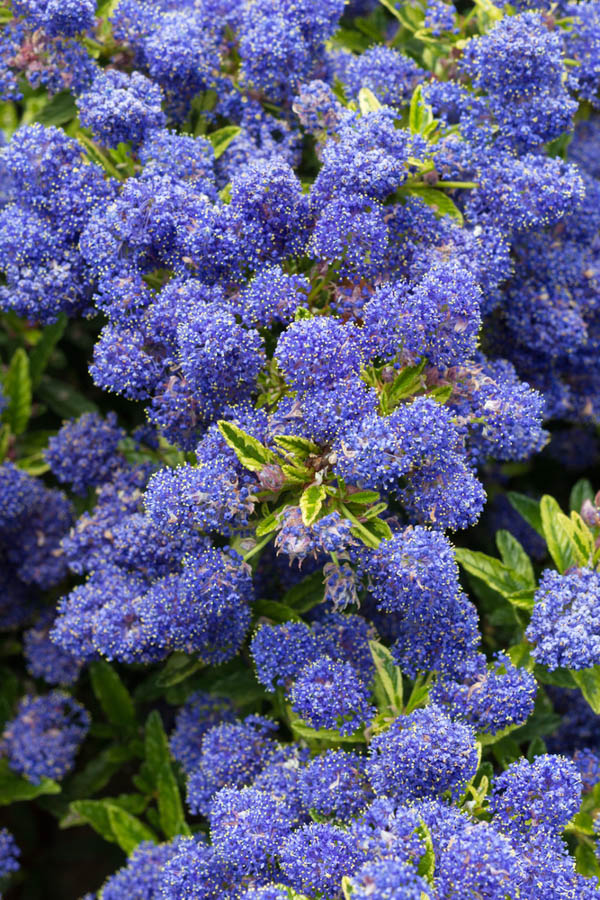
(104, 161)
(258, 547)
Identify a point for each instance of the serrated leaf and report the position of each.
(441, 394)
(63, 399)
(514, 556)
(588, 682)
(417, 111)
(41, 353)
(158, 761)
(529, 510)
(178, 667)
(582, 537)
(308, 593)
(441, 203)
(128, 830)
(492, 572)
(302, 730)
(558, 534)
(222, 138)
(14, 788)
(17, 390)
(426, 865)
(59, 110)
(92, 812)
(406, 383)
(363, 497)
(523, 599)
(296, 445)
(251, 453)
(388, 678)
(311, 501)
(112, 695)
(267, 525)
(487, 740)
(273, 609)
(367, 101)
(373, 511)
(581, 491)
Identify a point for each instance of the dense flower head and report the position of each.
(141, 875)
(44, 658)
(421, 756)
(332, 262)
(198, 714)
(43, 738)
(231, 755)
(280, 652)
(544, 794)
(57, 18)
(563, 627)
(391, 75)
(84, 452)
(335, 785)
(489, 699)
(247, 827)
(315, 858)
(330, 694)
(389, 879)
(121, 108)
(9, 853)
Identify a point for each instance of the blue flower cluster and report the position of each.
(287, 289)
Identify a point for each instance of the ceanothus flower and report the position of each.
(422, 756)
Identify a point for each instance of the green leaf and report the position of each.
(128, 831)
(267, 525)
(302, 730)
(112, 695)
(388, 678)
(527, 508)
(98, 771)
(582, 537)
(442, 393)
(59, 110)
(405, 384)
(250, 452)
(17, 389)
(178, 667)
(311, 501)
(558, 534)
(41, 353)
(426, 866)
(586, 860)
(560, 677)
(492, 572)
(63, 399)
(367, 101)
(581, 491)
(420, 114)
(441, 203)
(487, 740)
(92, 812)
(158, 760)
(296, 445)
(14, 788)
(514, 556)
(306, 594)
(275, 610)
(588, 682)
(222, 138)
(523, 599)
(363, 498)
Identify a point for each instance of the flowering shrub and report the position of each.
(289, 291)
